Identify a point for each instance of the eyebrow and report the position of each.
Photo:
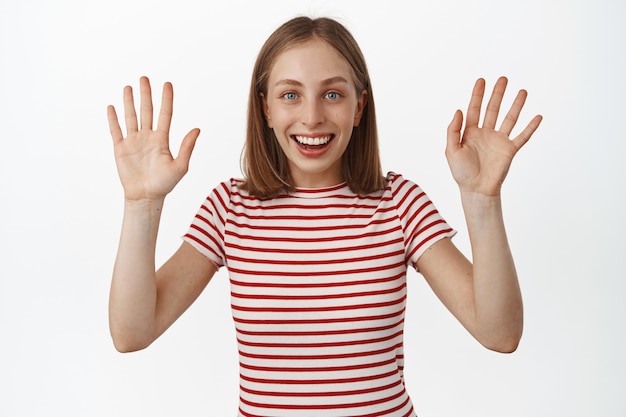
(328, 81)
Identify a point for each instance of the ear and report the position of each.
(360, 107)
(266, 110)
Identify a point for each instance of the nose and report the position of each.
(312, 113)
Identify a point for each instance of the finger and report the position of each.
(146, 103)
(167, 106)
(511, 117)
(527, 133)
(454, 131)
(493, 107)
(473, 110)
(114, 125)
(130, 116)
(186, 148)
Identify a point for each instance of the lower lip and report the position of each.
(313, 152)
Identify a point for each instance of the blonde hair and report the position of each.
(264, 165)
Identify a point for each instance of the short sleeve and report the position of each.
(206, 232)
(421, 222)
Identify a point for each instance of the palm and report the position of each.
(145, 164)
(480, 158)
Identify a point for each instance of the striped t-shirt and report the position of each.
(318, 293)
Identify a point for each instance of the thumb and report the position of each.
(454, 131)
(186, 148)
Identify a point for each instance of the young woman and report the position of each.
(315, 238)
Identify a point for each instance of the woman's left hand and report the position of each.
(480, 157)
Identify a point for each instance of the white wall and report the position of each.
(62, 62)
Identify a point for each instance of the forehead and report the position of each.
(313, 60)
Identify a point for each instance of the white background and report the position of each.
(62, 62)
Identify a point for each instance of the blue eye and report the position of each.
(290, 96)
(333, 95)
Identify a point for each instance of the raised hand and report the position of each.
(145, 165)
(480, 157)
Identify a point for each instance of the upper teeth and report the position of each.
(313, 141)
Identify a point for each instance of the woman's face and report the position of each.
(312, 106)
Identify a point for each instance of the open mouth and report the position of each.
(307, 142)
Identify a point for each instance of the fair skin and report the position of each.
(143, 302)
(484, 296)
(308, 98)
(311, 96)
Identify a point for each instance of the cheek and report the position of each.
(279, 116)
(347, 117)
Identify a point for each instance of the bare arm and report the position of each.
(143, 302)
(484, 296)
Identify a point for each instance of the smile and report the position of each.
(306, 141)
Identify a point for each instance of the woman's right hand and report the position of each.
(145, 165)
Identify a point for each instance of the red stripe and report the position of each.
(319, 368)
(208, 235)
(426, 219)
(316, 216)
(419, 211)
(290, 239)
(322, 332)
(321, 357)
(316, 262)
(322, 345)
(322, 321)
(309, 206)
(320, 381)
(323, 406)
(315, 228)
(318, 284)
(428, 239)
(195, 239)
(391, 410)
(380, 414)
(315, 273)
(319, 309)
(318, 296)
(310, 251)
(322, 394)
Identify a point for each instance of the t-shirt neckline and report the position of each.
(320, 192)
